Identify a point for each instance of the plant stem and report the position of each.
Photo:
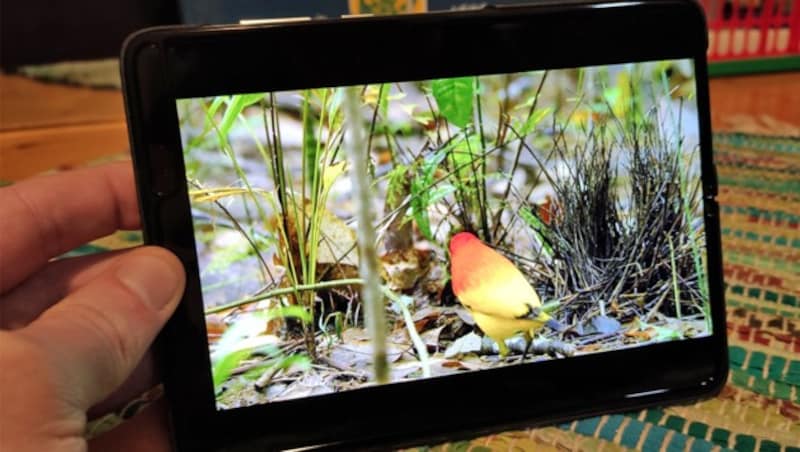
(419, 344)
(264, 266)
(371, 297)
(517, 154)
(285, 291)
(375, 118)
(482, 202)
(677, 293)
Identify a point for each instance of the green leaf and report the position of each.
(667, 334)
(539, 229)
(396, 187)
(534, 120)
(383, 101)
(223, 368)
(531, 219)
(215, 104)
(431, 162)
(421, 191)
(438, 193)
(258, 370)
(579, 84)
(208, 124)
(454, 98)
(420, 212)
(282, 312)
(335, 104)
(310, 145)
(339, 324)
(463, 152)
(242, 338)
(464, 148)
(247, 326)
(302, 362)
(235, 106)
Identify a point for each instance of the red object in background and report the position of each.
(744, 29)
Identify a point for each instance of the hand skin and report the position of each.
(75, 333)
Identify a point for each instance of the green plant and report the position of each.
(301, 214)
(243, 338)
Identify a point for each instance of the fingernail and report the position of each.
(153, 279)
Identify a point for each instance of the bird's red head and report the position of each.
(461, 239)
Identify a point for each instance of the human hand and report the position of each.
(75, 333)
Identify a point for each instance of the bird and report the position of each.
(491, 287)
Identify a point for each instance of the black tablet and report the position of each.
(540, 240)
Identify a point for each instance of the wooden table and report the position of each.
(45, 126)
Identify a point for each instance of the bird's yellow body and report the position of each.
(490, 286)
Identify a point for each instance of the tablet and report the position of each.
(539, 240)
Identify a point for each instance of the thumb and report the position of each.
(97, 335)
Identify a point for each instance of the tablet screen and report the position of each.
(520, 218)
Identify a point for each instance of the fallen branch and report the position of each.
(518, 345)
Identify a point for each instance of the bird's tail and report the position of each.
(543, 317)
(555, 325)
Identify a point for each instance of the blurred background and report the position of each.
(89, 29)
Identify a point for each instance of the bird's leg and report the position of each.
(501, 344)
(528, 342)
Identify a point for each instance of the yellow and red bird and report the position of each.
(501, 300)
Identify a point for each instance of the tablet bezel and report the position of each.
(162, 64)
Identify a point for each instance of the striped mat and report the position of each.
(759, 408)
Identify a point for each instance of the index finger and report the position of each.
(46, 216)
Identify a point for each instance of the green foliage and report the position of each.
(235, 105)
(528, 126)
(298, 362)
(338, 325)
(383, 101)
(335, 107)
(302, 211)
(284, 312)
(423, 194)
(243, 338)
(396, 183)
(310, 143)
(226, 365)
(454, 97)
(590, 249)
(401, 304)
(208, 124)
(540, 230)
(463, 151)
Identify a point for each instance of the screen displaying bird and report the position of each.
(496, 293)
